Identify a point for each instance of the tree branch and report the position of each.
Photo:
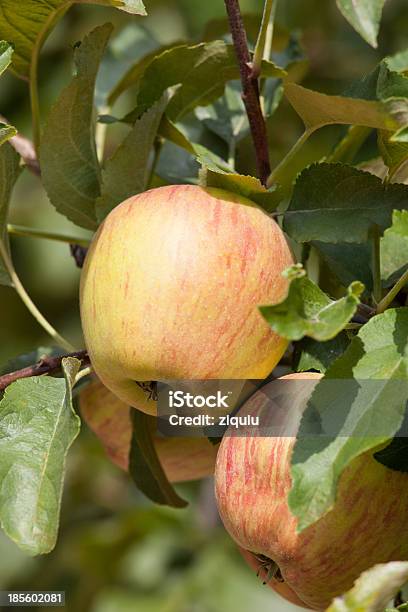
(46, 365)
(250, 90)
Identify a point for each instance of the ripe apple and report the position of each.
(108, 417)
(171, 286)
(366, 526)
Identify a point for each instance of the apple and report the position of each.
(171, 286)
(366, 526)
(108, 417)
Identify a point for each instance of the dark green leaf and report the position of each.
(144, 465)
(126, 173)
(202, 72)
(27, 23)
(70, 168)
(308, 311)
(364, 16)
(9, 172)
(338, 203)
(348, 261)
(37, 427)
(312, 355)
(371, 374)
(133, 75)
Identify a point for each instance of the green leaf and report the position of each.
(308, 311)
(6, 132)
(37, 427)
(129, 45)
(9, 172)
(144, 465)
(394, 248)
(318, 109)
(371, 374)
(218, 175)
(226, 117)
(202, 72)
(6, 52)
(133, 75)
(312, 355)
(337, 203)
(373, 590)
(70, 168)
(27, 23)
(126, 173)
(348, 261)
(364, 16)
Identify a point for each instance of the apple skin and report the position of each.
(171, 285)
(367, 525)
(182, 458)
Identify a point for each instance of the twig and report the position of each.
(27, 301)
(46, 365)
(32, 232)
(387, 300)
(250, 90)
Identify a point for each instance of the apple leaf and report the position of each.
(27, 23)
(69, 163)
(348, 261)
(364, 16)
(134, 73)
(226, 117)
(144, 464)
(201, 70)
(394, 248)
(312, 355)
(318, 109)
(9, 173)
(338, 203)
(219, 175)
(345, 415)
(6, 53)
(6, 132)
(308, 311)
(374, 589)
(38, 425)
(126, 173)
(377, 101)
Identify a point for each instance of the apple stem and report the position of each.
(250, 90)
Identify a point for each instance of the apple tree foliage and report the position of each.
(350, 218)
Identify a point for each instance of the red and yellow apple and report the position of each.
(181, 458)
(171, 288)
(366, 526)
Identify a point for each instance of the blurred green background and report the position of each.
(116, 551)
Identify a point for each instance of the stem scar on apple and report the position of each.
(271, 568)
